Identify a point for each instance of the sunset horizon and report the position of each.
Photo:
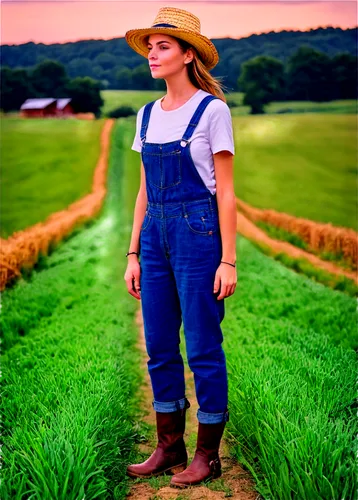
(212, 38)
(61, 22)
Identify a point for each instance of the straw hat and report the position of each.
(181, 24)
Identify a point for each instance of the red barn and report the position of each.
(46, 107)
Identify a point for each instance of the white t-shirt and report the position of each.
(213, 133)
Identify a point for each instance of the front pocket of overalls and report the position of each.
(163, 170)
(202, 222)
(146, 221)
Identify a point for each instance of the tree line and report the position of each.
(307, 75)
(115, 65)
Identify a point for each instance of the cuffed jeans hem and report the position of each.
(168, 407)
(212, 418)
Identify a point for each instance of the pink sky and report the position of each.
(70, 20)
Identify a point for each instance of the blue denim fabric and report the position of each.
(180, 251)
(168, 407)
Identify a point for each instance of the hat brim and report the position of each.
(206, 49)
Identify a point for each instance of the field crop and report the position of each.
(46, 165)
(71, 374)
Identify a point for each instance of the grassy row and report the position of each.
(70, 370)
(278, 233)
(289, 344)
(303, 266)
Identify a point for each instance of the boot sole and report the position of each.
(172, 470)
(187, 485)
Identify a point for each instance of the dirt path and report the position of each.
(235, 482)
(252, 232)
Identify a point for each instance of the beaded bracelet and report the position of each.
(129, 253)
(233, 265)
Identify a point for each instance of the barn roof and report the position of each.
(61, 103)
(43, 102)
(38, 103)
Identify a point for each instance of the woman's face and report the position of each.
(165, 56)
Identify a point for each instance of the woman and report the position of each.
(185, 232)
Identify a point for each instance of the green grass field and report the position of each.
(70, 368)
(341, 107)
(46, 164)
(303, 164)
(71, 373)
(137, 99)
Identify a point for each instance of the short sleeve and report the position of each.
(221, 135)
(137, 144)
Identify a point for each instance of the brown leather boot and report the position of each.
(170, 455)
(206, 462)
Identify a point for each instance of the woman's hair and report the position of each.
(199, 74)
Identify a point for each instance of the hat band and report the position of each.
(164, 25)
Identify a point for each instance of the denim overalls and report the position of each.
(180, 250)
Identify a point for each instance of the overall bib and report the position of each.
(180, 249)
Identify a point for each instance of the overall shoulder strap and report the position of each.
(145, 120)
(196, 116)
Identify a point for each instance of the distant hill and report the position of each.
(108, 60)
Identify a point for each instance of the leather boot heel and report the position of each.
(215, 467)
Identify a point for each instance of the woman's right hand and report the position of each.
(132, 276)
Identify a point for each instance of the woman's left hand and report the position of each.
(225, 276)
